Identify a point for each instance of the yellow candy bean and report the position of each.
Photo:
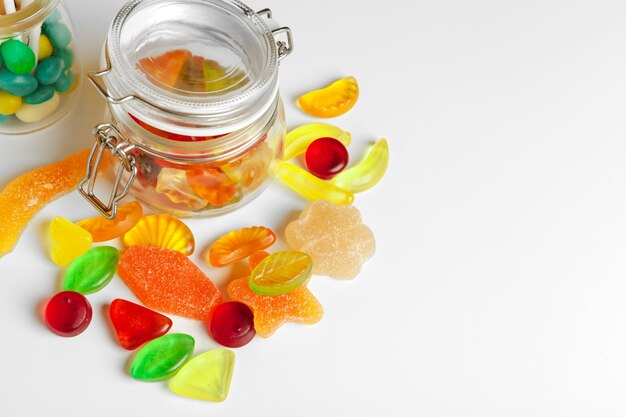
(31, 113)
(45, 48)
(9, 104)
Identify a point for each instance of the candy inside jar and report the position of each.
(195, 125)
(39, 72)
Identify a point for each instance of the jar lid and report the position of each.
(192, 67)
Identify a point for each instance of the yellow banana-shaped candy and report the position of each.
(311, 187)
(368, 171)
(299, 139)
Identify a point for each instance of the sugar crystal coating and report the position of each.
(334, 236)
(167, 281)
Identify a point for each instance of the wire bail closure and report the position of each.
(109, 138)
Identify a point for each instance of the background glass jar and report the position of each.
(195, 121)
(39, 72)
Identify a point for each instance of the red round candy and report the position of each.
(326, 157)
(68, 313)
(232, 324)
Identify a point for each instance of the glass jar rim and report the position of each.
(192, 115)
(24, 19)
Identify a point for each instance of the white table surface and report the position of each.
(499, 281)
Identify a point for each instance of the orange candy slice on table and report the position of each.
(334, 100)
(212, 185)
(167, 281)
(103, 229)
(23, 197)
(240, 244)
(165, 68)
(272, 311)
(281, 272)
(163, 231)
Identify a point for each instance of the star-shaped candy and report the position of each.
(271, 311)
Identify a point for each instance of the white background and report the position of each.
(499, 283)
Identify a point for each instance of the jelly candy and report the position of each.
(66, 55)
(240, 244)
(162, 358)
(191, 77)
(167, 67)
(9, 103)
(68, 314)
(91, 271)
(45, 48)
(41, 94)
(17, 84)
(103, 229)
(334, 100)
(299, 139)
(212, 185)
(135, 324)
(31, 113)
(206, 377)
(280, 273)
(59, 34)
(256, 258)
(173, 183)
(326, 157)
(232, 324)
(163, 231)
(167, 281)
(368, 171)
(17, 56)
(220, 79)
(65, 81)
(335, 238)
(311, 187)
(147, 169)
(67, 241)
(271, 311)
(49, 70)
(28, 193)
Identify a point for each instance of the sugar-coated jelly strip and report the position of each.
(299, 139)
(311, 187)
(368, 171)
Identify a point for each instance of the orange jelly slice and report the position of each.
(212, 185)
(103, 229)
(334, 100)
(163, 231)
(240, 244)
(165, 68)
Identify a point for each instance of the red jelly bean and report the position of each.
(326, 157)
(68, 314)
(232, 324)
(135, 324)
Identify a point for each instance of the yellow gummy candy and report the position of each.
(368, 171)
(206, 377)
(45, 48)
(311, 187)
(299, 139)
(331, 101)
(9, 104)
(67, 241)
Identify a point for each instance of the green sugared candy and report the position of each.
(58, 33)
(17, 56)
(41, 94)
(91, 271)
(49, 70)
(162, 358)
(66, 55)
(65, 81)
(17, 84)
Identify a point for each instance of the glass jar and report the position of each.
(39, 73)
(194, 122)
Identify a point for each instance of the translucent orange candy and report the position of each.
(167, 281)
(272, 311)
(240, 244)
(212, 185)
(27, 194)
(256, 258)
(165, 68)
(163, 231)
(334, 100)
(103, 229)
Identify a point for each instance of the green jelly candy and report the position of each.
(66, 55)
(49, 70)
(17, 84)
(65, 81)
(91, 271)
(162, 358)
(281, 272)
(17, 56)
(41, 94)
(54, 17)
(4, 117)
(58, 33)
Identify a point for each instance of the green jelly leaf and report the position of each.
(92, 271)
(162, 358)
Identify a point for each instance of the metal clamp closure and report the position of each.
(284, 46)
(109, 138)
